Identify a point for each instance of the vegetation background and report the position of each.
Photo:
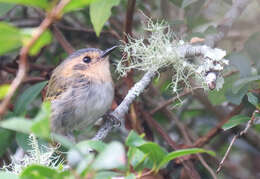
(35, 36)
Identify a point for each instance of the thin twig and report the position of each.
(234, 13)
(243, 132)
(62, 40)
(21, 74)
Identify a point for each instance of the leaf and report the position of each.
(183, 152)
(4, 8)
(35, 3)
(236, 98)
(106, 175)
(8, 175)
(234, 121)
(218, 97)
(154, 152)
(252, 47)
(138, 159)
(130, 176)
(78, 153)
(252, 99)
(10, 38)
(186, 3)
(134, 140)
(17, 124)
(39, 172)
(244, 82)
(113, 156)
(42, 41)
(177, 3)
(5, 135)
(76, 5)
(4, 90)
(27, 97)
(241, 62)
(41, 125)
(100, 11)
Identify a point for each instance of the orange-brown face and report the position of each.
(89, 63)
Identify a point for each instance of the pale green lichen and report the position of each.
(41, 155)
(160, 50)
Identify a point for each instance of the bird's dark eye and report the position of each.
(87, 59)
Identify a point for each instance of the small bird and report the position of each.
(80, 90)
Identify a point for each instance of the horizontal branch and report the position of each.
(119, 113)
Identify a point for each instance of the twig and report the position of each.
(52, 16)
(137, 89)
(62, 40)
(213, 132)
(243, 132)
(129, 19)
(123, 108)
(183, 131)
(234, 13)
(169, 101)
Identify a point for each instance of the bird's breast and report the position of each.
(92, 103)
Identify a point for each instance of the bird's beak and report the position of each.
(108, 51)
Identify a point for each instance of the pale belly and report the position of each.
(81, 108)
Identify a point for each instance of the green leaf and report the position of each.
(218, 97)
(35, 3)
(39, 172)
(8, 175)
(234, 121)
(10, 38)
(244, 82)
(113, 156)
(5, 135)
(252, 99)
(80, 152)
(252, 47)
(27, 97)
(100, 11)
(4, 90)
(177, 3)
(41, 126)
(4, 8)
(186, 3)
(180, 153)
(130, 176)
(154, 152)
(138, 159)
(76, 5)
(42, 41)
(236, 98)
(106, 175)
(134, 140)
(17, 124)
(241, 62)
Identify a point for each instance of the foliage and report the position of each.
(171, 24)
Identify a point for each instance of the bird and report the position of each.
(80, 90)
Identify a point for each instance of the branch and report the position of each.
(21, 74)
(129, 19)
(234, 12)
(138, 88)
(243, 132)
(213, 132)
(123, 108)
(62, 40)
